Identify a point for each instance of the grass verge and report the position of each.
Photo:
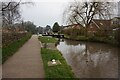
(62, 70)
(13, 47)
(58, 71)
(47, 39)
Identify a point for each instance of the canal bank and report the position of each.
(90, 60)
(106, 40)
(49, 53)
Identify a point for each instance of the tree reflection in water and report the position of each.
(96, 61)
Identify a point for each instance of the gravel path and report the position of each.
(26, 62)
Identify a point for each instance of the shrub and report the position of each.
(9, 50)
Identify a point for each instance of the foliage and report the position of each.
(56, 27)
(99, 36)
(82, 38)
(74, 32)
(8, 38)
(59, 71)
(47, 39)
(109, 40)
(117, 35)
(13, 47)
(101, 33)
(30, 27)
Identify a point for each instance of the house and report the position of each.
(63, 27)
(74, 26)
(40, 30)
(47, 30)
(98, 26)
(105, 26)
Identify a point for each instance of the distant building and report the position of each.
(104, 26)
(40, 30)
(97, 24)
(47, 30)
(74, 26)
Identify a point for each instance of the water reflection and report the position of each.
(98, 61)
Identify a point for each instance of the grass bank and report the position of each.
(13, 47)
(107, 40)
(47, 39)
(58, 71)
(62, 70)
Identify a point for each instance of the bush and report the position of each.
(8, 38)
(9, 50)
(83, 38)
(117, 36)
(74, 32)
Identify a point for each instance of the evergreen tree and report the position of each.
(56, 27)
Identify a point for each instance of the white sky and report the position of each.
(44, 12)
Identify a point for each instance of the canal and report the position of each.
(90, 60)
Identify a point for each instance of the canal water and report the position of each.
(90, 60)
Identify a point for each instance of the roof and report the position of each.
(75, 26)
(102, 23)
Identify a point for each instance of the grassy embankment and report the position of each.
(107, 40)
(13, 47)
(62, 70)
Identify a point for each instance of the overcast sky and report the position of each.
(44, 13)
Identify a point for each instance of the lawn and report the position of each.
(47, 39)
(59, 71)
(62, 70)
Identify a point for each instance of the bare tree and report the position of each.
(83, 13)
(11, 12)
